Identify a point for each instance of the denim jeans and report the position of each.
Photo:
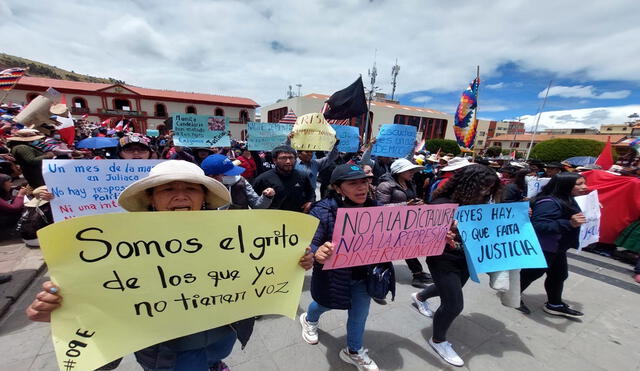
(202, 359)
(357, 315)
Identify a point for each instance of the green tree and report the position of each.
(444, 145)
(493, 151)
(561, 149)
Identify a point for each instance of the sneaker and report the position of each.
(561, 310)
(5, 278)
(445, 350)
(309, 330)
(380, 301)
(361, 359)
(523, 308)
(423, 306)
(421, 280)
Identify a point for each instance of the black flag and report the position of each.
(347, 103)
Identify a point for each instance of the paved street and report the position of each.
(487, 335)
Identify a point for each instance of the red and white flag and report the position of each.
(67, 129)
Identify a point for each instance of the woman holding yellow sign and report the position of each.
(172, 186)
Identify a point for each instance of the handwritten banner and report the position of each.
(534, 186)
(349, 138)
(128, 284)
(200, 130)
(394, 140)
(313, 133)
(385, 233)
(498, 237)
(265, 136)
(589, 231)
(90, 187)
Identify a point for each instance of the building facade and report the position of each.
(617, 129)
(146, 108)
(522, 142)
(429, 123)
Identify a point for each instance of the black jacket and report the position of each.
(331, 288)
(292, 191)
(551, 221)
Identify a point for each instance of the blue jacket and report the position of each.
(551, 221)
(330, 288)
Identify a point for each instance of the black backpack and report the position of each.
(381, 279)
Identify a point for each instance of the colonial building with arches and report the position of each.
(146, 108)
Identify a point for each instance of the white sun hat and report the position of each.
(456, 163)
(135, 197)
(402, 164)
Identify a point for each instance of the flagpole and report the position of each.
(535, 129)
(475, 113)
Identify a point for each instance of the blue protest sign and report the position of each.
(265, 136)
(349, 138)
(498, 237)
(200, 130)
(153, 132)
(394, 140)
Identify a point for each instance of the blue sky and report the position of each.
(257, 48)
(511, 92)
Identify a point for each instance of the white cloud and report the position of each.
(581, 118)
(257, 48)
(421, 99)
(580, 91)
(499, 85)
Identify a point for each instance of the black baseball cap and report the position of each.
(347, 172)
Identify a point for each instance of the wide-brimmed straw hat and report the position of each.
(402, 164)
(135, 197)
(456, 163)
(26, 135)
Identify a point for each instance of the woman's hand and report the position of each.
(324, 252)
(577, 220)
(22, 192)
(306, 261)
(451, 234)
(415, 201)
(46, 302)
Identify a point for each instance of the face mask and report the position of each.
(56, 136)
(229, 180)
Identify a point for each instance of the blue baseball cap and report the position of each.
(220, 165)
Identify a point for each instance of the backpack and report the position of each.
(33, 219)
(380, 280)
(630, 237)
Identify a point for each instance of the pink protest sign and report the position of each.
(374, 235)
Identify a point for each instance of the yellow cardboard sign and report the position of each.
(313, 133)
(132, 280)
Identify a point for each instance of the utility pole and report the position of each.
(394, 75)
(373, 73)
(535, 129)
(299, 86)
(290, 92)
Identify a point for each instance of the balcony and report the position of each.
(118, 112)
(79, 111)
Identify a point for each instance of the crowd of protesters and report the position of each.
(316, 183)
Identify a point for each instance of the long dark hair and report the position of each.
(464, 187)
(4, 195)
(560, 187)
(520, 179)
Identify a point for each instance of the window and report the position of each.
(244, 116)
(218, 112)
(276, 114)
(160, 110)
(407, 120)
(79, 102)
(481, 133)
(31, 96)
(515, 145)
(498, 144)
(122, 104)
(190, 109)
(479, 142)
